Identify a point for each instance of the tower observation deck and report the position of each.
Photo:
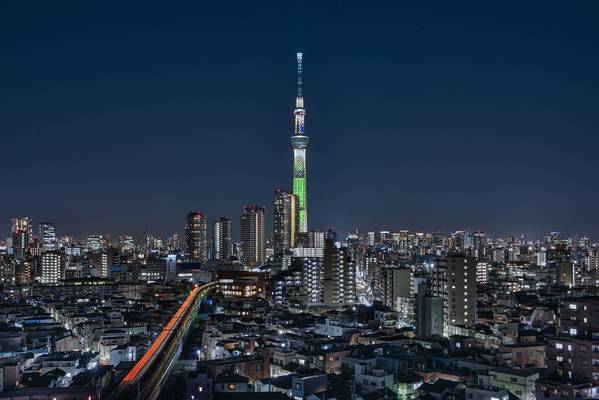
(299, 142)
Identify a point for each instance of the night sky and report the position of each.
(116, 117)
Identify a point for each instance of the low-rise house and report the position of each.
(520, 382)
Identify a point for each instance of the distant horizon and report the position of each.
(341, 234)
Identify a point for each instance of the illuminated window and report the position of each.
(231, 386)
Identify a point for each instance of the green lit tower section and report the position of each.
(299, 141)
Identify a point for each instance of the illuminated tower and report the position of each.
(21, 236)
(299, 141)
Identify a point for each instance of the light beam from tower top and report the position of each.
(299, 74)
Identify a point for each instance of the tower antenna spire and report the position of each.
(299, 142)
(299, 73)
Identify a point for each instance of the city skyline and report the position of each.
(504, 148)
(157, 243)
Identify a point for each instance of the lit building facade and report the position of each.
(51, 270)
(253, 236)
(222, 242)
(97, 242)
(196, 236)
(311, 260)
(329, 274)
(284, 221)
(454, 280)
(299, 141)
(398, 292)
(21, 236)
(47, 232)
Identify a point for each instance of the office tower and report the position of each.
(398, 292)
(52, 269)
(47, 232)
(429, 313)
(126, 243)
(541, 257)
(196, 237)
(284, 221)
(171, 268)
(222, 241)
(253, 236)
(21, 236)
(454, 280)
(299, 141)
(97, 243)
(565, 273)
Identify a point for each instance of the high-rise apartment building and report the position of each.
(51, 267)
(329, 274)
(429, 313)
(284, 225)
(482, 272)
(311, 261)
(252, 235)
(99, 262)
(222, 241)
(339, 275)
(454, 280)
(565, 273)
(196, 237)
(398, 292)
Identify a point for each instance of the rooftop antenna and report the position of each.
(299, 74)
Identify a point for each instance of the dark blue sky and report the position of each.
(118, 116)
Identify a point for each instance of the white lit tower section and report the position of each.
(299, 141)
